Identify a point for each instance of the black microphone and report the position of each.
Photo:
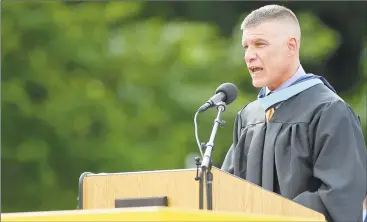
(226, 92)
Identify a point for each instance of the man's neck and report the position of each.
(299, 72)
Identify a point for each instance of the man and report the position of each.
(298, 139)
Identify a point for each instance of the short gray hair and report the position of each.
(272, 12)
(267, 13)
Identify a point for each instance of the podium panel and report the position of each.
(230, 193)
(141, 214)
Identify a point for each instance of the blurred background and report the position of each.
(113, 86)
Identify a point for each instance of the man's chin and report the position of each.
(258, 84)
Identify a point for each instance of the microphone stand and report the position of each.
(200, 179)
(206, 164)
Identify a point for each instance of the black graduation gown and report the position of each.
(312, 152)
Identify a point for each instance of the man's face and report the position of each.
(266, 54)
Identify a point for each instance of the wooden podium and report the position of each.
(230, 193)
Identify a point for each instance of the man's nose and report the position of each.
(250, 56)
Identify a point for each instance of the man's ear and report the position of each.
(292, 44)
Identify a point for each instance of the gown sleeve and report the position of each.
(339, 162)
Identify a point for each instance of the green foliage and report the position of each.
(90, 87)
(318, 41)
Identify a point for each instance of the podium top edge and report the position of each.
(87, 174)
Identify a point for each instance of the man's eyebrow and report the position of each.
(258, 39)
(253, 40)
